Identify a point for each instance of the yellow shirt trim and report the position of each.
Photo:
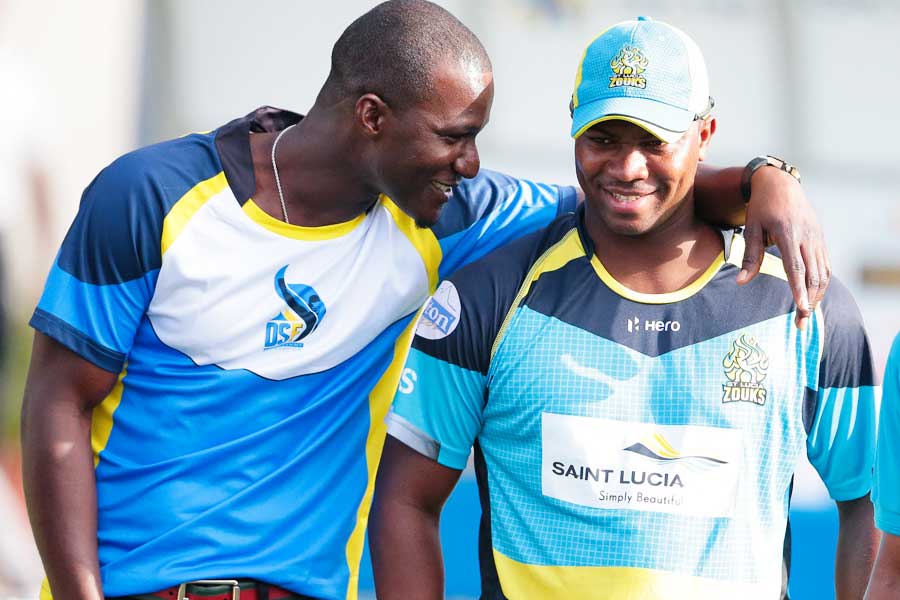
(771, 264)
(381, 396)
(556, 257)
(187, 206)
(299, 232)
(45, 590)
(379, 401)
(423, 239)
(667, 298)
(536, 582)
(102, 416)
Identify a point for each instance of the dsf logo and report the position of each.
(301, 316)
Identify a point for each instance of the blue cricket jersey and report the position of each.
(631, 445)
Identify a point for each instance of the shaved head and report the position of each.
(393, 50)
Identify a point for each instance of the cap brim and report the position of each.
(666, 122)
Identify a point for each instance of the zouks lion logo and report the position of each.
(746, 367)
(628, 67)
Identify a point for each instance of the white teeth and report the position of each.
(623, 197)
(444, 188)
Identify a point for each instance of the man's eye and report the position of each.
(601, 141)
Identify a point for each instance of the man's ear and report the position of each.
(707, 130)
(371, 112)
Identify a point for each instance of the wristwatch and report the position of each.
(762, 161)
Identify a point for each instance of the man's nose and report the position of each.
(630, 164)
(468, 162)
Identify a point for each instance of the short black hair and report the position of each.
(392, 51)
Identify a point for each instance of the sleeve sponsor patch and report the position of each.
(441, 313)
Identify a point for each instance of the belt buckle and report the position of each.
(235, 587)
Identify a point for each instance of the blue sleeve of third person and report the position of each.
(886, 490)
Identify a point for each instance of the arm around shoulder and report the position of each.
(778, 212)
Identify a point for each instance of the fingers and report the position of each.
(795, 269)
(754, 240)
(807, 277)
(824, 276)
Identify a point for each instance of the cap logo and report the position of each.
(628, 67)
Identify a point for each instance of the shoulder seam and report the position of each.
(534, 273)
(184, 209)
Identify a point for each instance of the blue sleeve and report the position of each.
(841, 440)
(886, 491)
(438, 414)
(492, 209)
(438, 407)
(104, 275)
(443, 390)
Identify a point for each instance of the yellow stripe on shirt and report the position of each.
(537, 582)
(102, 416)
(556, 257)
(382, 394)
(187, 206)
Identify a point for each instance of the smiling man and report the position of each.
(224, 327)
(636, 415)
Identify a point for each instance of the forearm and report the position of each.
(406, 552)
(60, 490)
(856, 548)
(885, 581)
(717, 195)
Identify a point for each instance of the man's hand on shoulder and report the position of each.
(779, 213)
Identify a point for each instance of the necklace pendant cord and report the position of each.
(277, 178)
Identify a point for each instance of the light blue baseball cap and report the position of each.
(645, 72)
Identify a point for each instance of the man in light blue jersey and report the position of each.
(223, 329)
(885, 584)
(636, 416)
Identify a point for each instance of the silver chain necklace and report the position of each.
(275, 169)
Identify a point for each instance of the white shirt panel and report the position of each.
(216, 290)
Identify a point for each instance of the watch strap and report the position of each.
(763, 161)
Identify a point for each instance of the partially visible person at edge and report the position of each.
(636, 415)
(222, 332)
(885, 583)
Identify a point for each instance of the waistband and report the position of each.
(220, 589)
